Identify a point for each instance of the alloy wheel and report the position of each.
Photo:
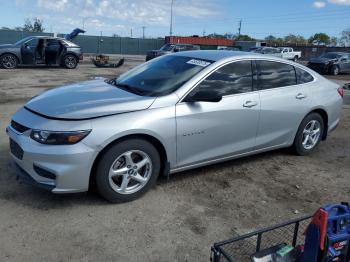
(70, 61)
(311, 134)
(130, 172)
(8, 61)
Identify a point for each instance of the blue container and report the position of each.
(338, 233)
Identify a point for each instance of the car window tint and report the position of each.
(33, 43)
(231, 79)
(53, 42)
(274, 74)
(303, 76)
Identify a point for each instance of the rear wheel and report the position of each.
(335, 70)
(309, 134)
(295, 58)
(70, 61)
(8, 61)
(127, 170)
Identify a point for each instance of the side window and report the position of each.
(275, 74)
(53, 43)
(33, 43)
(234, 78)
(303, 76)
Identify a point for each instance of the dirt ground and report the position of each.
(176, 221)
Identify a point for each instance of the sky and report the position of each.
(191, 17)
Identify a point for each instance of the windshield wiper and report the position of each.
(125, 87)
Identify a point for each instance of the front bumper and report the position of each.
(69, 165)
(319, 67)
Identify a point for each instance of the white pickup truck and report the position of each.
(289, 53)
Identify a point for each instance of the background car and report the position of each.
(40, 50)
(289, 53)
(228, 48)
(268, 51)
(170, 48)
(331, 63)
(174, 113)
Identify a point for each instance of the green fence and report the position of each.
(95, 44)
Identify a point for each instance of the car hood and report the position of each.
(6, 46)
(86, 100)
(322, 60)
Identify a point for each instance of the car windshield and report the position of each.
(167, 47)
(161, 76)
(331, 55)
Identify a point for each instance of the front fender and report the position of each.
(158, 123)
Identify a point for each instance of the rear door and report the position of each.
(284, 103)
(210, 130)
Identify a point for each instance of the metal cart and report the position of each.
(241, 248)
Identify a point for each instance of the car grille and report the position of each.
(16, 150)
(18, 127)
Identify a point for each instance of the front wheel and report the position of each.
(127, 170)
(335, 70)
(70, 61)
(309, 134)
(8, 61)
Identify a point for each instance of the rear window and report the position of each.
(275, 74)
(303, 76)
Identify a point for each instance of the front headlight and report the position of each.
(58, 138)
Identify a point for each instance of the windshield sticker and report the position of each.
(198, 62)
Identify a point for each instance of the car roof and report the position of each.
(217, 55)
(46, 37)
(338, 53)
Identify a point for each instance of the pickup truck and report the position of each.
(289, 53)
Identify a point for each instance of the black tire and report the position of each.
(107, 161)
(295, 59)
(298, 147)
(334, 70)
(8, 61)
(70, 61)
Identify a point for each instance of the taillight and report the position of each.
(341, 91)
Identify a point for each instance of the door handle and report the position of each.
(250, 104)
(300, 96)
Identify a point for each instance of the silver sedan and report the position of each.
(174, 113)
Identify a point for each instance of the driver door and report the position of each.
(28, 50)
(211, 130)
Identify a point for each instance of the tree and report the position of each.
(5, 28)
(345, 38)
(333, 41)
(244, 38)
(320, 39)
(36, 26)
(28, 25)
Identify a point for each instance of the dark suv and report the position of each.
(331, 63)
(40, 50)
(170, 48)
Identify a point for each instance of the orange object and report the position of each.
(320, 219)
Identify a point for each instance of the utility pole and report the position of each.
(239, 28)
(143, 32)
(204, 32)
(131, 32)
(171, 17)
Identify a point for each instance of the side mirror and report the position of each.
(204, 96)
